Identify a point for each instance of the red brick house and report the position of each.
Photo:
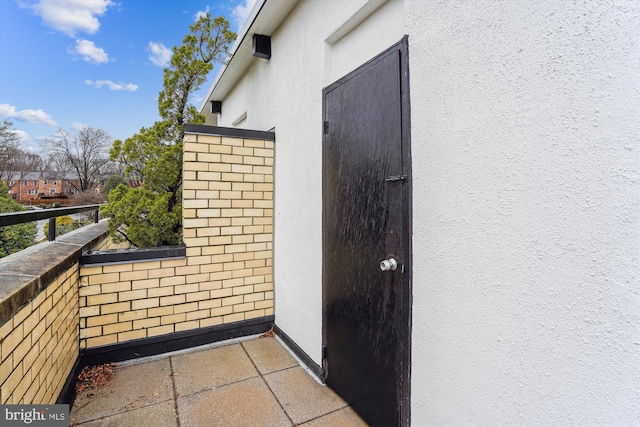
(24, 187)
(33, 185)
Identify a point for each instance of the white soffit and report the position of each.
(265, 18)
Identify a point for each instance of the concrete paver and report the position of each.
(345, 417)
(159, 415)
(246, 403)
(302, 397)
(133, 387)
(268, 355)
(254, 382)
(215, 367)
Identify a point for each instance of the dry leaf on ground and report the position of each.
(95, 376)
(269, 334)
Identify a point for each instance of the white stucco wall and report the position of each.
(526, 218)
(525, 134)
(286, 93)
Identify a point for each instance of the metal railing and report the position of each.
(13, 218)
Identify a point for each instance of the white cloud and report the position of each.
(111, 85)
(241, 12)
(22, 135)
(71, 16)
(160, 54)
(78, 126)
(90, 52)
(31, 116)
(201, 13)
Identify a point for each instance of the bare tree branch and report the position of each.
(15, 163)
(83, 161)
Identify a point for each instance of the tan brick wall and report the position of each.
(39, 344)
(108, 244)
(227, 273)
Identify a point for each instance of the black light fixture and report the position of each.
(261, 46)
(216, 107)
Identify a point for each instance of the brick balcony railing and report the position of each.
(39, 317)
(61, 308)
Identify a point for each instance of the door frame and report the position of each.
(407, 218)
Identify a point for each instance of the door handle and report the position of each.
(389, 264)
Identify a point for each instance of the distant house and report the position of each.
(456, 201)
(25, 186)
(51, 187)
(30, 186)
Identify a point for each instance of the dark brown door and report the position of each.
(366, 214)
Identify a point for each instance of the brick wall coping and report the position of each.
(120, 256)
(231, 132)
(25, 274)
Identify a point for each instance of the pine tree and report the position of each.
(150, 212)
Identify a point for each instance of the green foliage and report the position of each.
(150, 213)
(14, 238)
(62, 223)
(206, 44)
(151, 218)
(113, 182)
(65, 226)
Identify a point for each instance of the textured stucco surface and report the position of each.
(286, 93)
(525, 127)
(525, 131)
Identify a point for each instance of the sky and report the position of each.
(66, 64)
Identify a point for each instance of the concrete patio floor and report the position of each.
(254, 382)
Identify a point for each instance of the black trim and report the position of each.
(407, 233)
(68, 392)
(166, 343)
(13, 218)
(407, 189)
(132, 255)
(304, 357)
(233, 132)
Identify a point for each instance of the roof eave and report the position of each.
(265, 18)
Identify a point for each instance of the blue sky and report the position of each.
(73, 63)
